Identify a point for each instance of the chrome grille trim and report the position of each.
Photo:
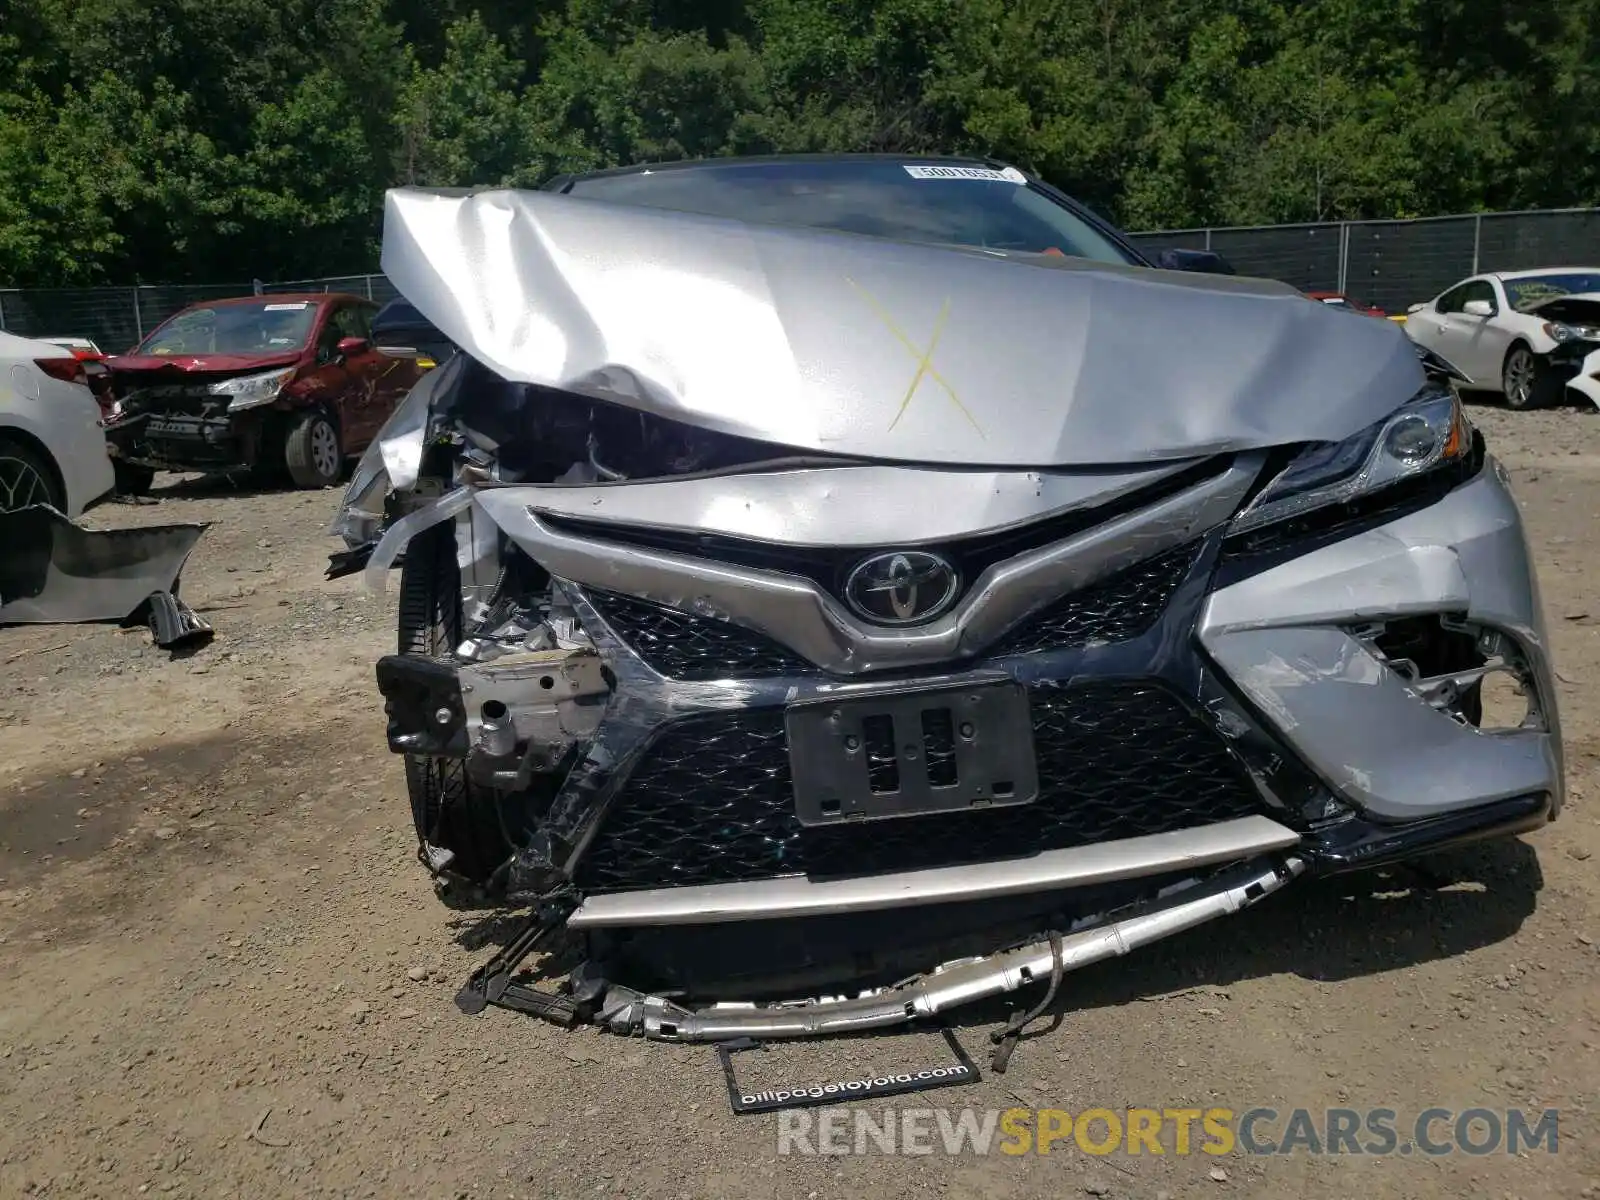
(798, 614)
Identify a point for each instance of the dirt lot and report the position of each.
(210, 914)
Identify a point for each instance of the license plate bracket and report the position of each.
(907, 751)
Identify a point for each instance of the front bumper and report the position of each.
(1284, 639)
(1179, 726)
(1583, 383)
(190, 441)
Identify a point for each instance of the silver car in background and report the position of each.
(834, 590)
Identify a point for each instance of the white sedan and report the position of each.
(1499, 331)
(52, 446)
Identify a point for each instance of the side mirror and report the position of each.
(1478, 308)
(1207, 262)
(1415, 308)
(351, 346)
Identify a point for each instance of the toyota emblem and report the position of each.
(903, 587)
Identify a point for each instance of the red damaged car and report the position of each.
(1340, 300)
(262, 382)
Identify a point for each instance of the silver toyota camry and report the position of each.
(837, 589)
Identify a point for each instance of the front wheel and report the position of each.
(1519, 379)
(312, 452)
(448, 808)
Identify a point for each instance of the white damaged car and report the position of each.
(1523, 334)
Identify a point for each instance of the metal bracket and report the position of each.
(492, 982)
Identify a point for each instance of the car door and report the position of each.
(387, 378)
(349, 377)
(1426, 325)
(1478, 343)
(1455, 335)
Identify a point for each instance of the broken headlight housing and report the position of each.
(1430, 433)
(252, 391)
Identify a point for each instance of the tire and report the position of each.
(28, 477)
(1519, 379)
(132, 479)
(447, 808)
(313, 453)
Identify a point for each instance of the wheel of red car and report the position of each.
(313, 452)
(26, 478)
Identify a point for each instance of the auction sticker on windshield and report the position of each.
(989, 174)
(294, 307)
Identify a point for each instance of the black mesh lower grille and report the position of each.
(1116, 609)
(711, 802)
(680, 645)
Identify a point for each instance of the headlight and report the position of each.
(250, 391)
(1428, 433)
(1556, 331)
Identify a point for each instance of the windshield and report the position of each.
(1531, 289)
(908, 201)
(269, 327)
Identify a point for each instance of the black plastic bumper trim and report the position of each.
(1357, 845)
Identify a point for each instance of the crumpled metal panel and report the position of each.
(1276, 635)
(861, 346)
(54, 572)
(1370, 735)
(393, 459)
(850, 506)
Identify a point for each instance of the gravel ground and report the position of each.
(227, 975)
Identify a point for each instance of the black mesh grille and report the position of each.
(1119, 607)
(711, 802)
(682, 646)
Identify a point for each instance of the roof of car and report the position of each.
(689, 164)
(1545, 271)
(278, 298)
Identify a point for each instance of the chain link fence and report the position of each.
(1388, 263)
(1393, 264)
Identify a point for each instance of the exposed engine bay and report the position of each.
(777, 735)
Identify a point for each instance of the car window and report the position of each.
(345, 321)
(1480, 289)
(263, 327)
(360, 318)
(906, 201)
(1452, 300)
(1530, 289)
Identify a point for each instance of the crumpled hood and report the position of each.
(1572, 306)
(179, 365)
(854, 345)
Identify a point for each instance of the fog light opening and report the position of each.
(1504, 702)
(1474, 674)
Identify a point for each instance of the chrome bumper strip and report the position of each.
(798, 896)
